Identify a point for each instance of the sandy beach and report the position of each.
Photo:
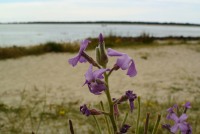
(163, 72)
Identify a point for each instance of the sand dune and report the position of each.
(162, 72)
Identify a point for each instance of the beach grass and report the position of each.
(35, 115)
(111, 41)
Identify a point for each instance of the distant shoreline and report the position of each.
(111, 41)
(108, 22)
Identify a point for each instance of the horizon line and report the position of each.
(102, 22)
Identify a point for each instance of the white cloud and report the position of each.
(91, 10)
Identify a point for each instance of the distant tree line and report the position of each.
(106, 22)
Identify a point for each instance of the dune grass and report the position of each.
(111, 41)
(19, 51)
(34, 115)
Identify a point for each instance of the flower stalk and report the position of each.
(146, 123)
(156, 124)
(111, 105)
(138, 116)
(71, 127)
(97, 123)
(125, 118)
(106, 118)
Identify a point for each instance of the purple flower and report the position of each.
(179, 123)
(79, 57)
(124, 128)
(131, 97)
(166, 126)
(128, 96)
(189, 131)
(171, 111)
(124, 62)
(88, 112)
(187, 105)
(94, 82)
(85, 110)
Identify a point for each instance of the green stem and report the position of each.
(97, 123)
(125, 118)
(111, 105)
(138, 117)
(156, 125)
(106, 119)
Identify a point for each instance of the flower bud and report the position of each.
(116, 110)
(101, 38)
(95, 112)
(98, 56)
(124, 128)
(103, 56)
(166, 126)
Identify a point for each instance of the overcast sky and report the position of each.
(100, 10)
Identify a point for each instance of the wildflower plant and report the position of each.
(97, 81)
(179, 117)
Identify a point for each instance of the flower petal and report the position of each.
(84, 45)
(99, 73)
(123, 61)
(89, 74)
(74, 61)
(112, 52)
(130, 95)
(183, 126)
(187, 105)
(174, 128)
(96, 88)
(183, 117)
(132, 70)
(85, 110)
(174, 117)
(82, 59)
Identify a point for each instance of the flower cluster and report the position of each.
(97, 81)
(93, 79)
(179, 119)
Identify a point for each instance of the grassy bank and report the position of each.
(111, 41)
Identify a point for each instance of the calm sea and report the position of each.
(30, 34)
